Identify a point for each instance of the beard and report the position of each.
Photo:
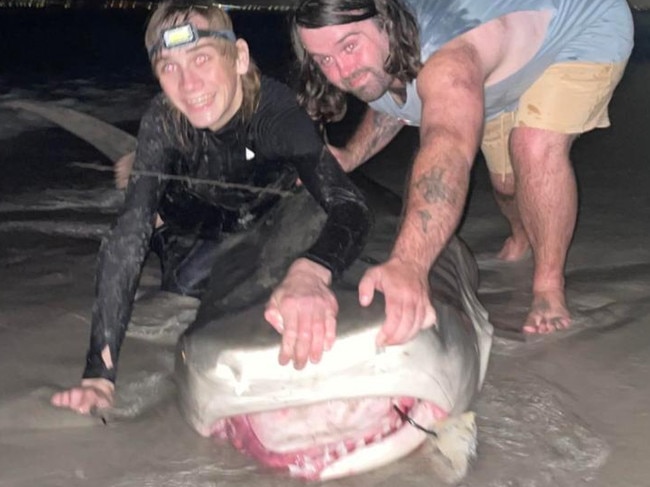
(373, 87)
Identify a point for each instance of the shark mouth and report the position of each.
(332, 439)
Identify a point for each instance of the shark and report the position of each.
(359, 408)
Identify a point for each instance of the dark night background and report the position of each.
(44, 48)
(53, 44)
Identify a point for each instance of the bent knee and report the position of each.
(533, 145)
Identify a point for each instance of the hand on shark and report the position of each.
(303, 310)
(408, 307)
(92, 394)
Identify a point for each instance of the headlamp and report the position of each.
(185, 34)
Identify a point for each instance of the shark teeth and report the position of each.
(310, 464)
(311, 459)
(387, 426)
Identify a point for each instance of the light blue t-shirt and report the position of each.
(579, 30)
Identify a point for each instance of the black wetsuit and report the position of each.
(274, 146)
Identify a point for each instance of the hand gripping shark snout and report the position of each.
(360, 407)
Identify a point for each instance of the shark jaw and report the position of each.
(332, 439)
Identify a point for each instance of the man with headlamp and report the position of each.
(217, 120)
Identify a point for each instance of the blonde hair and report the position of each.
(172, 13)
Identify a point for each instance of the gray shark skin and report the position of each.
(228, 368)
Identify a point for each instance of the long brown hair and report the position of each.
(171, 13)
(322, 100)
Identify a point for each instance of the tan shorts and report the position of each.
(570, 98)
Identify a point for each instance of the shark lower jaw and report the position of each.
(332, 439)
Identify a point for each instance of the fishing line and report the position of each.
(188, 179)
(407, 419)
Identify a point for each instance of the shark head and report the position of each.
(359, 408)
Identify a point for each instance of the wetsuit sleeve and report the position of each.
(286, 132)
(348, 217)
(124, 249)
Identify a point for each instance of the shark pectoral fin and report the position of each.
(454, 447)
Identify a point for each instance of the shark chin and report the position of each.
(361, 407)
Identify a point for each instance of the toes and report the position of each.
(560, 322)
(540, 323)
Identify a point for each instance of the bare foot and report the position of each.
(514, 249)
(548, 313)
(90, 395)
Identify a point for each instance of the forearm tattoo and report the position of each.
(425, 219)
(431, 186)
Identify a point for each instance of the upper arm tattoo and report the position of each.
(385, 128)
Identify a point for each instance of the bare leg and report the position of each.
(547, 199)
(516, 245)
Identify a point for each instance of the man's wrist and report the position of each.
(407, 260)
(308, 265)
(104, 385)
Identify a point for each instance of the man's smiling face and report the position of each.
(351, 56)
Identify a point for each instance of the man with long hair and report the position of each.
(520, 79)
